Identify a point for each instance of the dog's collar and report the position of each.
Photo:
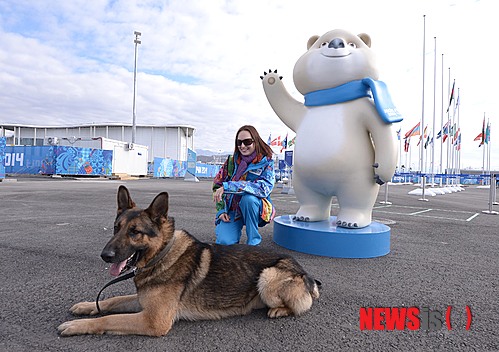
(159, 256)
(135, 271)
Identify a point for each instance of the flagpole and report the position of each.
(453, 148)
(488, 144)
(453, 130)
(449, 132)
(434, 110)
(452, 154)
(458, 139)
(410, 159)
(483, 159)
(422, 112)
(407, 167)
(442, 123)
(426, 152)
(484, 147)
(488, 151)
(400, 150)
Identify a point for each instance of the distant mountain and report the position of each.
(206, 152)
(211, 157)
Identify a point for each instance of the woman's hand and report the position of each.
(217, 196)
(224, 217)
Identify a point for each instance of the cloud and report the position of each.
(71, 62)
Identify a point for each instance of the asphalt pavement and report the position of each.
(443, 262)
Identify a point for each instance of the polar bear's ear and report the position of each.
(365, 38)
(312, 40)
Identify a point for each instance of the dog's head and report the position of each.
(139, 234)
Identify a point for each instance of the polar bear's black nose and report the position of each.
(336, 43)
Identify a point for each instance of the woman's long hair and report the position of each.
(260, 146)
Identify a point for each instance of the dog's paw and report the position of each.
(84, 308)
(75, 327)
(279, 312)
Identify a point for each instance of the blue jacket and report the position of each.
(258, 180)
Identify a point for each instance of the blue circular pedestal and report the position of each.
(325, 239)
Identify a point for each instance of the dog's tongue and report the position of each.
(116, 268)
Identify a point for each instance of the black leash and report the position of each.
(135, 271)
(118, 279)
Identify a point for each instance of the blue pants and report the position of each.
(230, 232)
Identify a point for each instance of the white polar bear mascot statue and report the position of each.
(345, 143)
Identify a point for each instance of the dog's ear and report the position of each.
(158, 207)
(124, 200)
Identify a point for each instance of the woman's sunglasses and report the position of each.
(247, 142)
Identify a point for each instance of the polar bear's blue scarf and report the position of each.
(362, 88)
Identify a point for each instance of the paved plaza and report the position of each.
(444, 253)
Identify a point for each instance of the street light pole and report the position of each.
(137, 41)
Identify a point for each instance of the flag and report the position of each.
(413, 131)
(444, 131)
(398, 134)
(487, 133)
(284, 143)
(451, 95)
(456, 136)
(457, 102)
(452, 130)
(291, 142)
(421, 137)
(270, 139)
(484, 131)
(481, 136)
(406, 145)
(428, 141)
(458, 143)
(276, 141)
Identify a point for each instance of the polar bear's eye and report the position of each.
(325, 44)
(352, 45)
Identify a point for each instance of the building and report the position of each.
(162, 141)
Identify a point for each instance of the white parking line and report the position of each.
(421, 211)
(472, 217)
(417, 211)
(392, 209)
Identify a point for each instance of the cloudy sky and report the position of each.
(71, 62)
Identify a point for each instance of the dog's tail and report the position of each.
(313, 286)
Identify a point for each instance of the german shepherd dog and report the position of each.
(179, 277)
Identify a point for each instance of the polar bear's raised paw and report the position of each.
(272, 76)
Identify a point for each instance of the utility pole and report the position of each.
(137, 41)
